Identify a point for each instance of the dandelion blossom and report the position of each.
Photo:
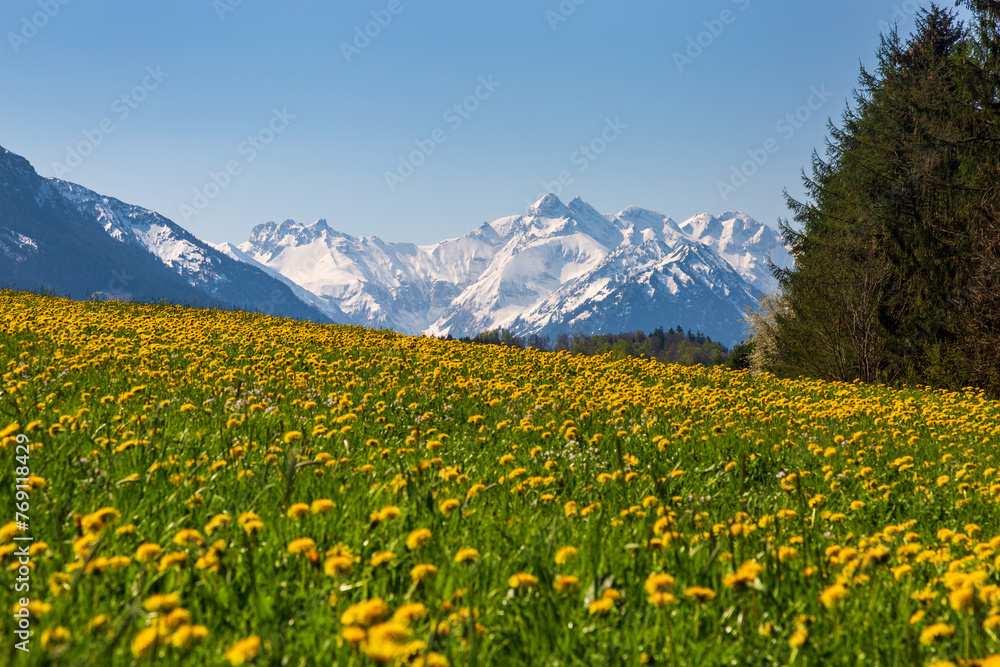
(147, 552)
(297, 511)
(700, 593)
(522, 580)
(422, 571)
(564, 554)
(163, 602)
(566, 584)
(418, 539)
(467, 555)
(243, 651)
(933, 633)
(832, 596)
(144, 643)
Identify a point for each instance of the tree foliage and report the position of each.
(896, 275)
(672, 346)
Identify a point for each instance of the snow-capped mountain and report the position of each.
(559, 268)
(398, 286)
(64, 237)
(743, 242)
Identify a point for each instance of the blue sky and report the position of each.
(224, 114)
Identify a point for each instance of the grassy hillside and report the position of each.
(214, 488)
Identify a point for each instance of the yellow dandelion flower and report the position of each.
(171, 559)
(787, 553)
(566, 584)
(422, 571)
(660, 599)
(147, 552)
(450, 505)
(365, 613)
(217, 522)
(322, 505)
(700, 593)
(354, 635)
(385, 641)
(409, 612)
(162, 602)
(243, 651)
(832, 596)
(187, 537)
(177, 618)
(744, 576)
(53, 637)
(522, 580)
(600, 607)
(82, 545)
(565, 554)
(389, 512)
(98, 622)
(144, 642)
(418, 539)
(381, 558)
(935, 632)
(187, 636)
(8, 531)
(96, 521)
(297, 511)
(659, 583)
(799, 638)
(338, 566)
(962, 599)
(467, 555)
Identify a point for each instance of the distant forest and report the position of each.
(674, 346)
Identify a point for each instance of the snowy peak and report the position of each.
(559, 267)
(702, 226)
(748, 245)
(549, 206)
(640, 220)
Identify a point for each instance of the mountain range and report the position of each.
(558, 268)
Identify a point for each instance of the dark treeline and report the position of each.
(897, 248)
(672, 346)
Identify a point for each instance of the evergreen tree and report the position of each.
(895, 274)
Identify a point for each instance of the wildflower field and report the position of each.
(215, 488)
